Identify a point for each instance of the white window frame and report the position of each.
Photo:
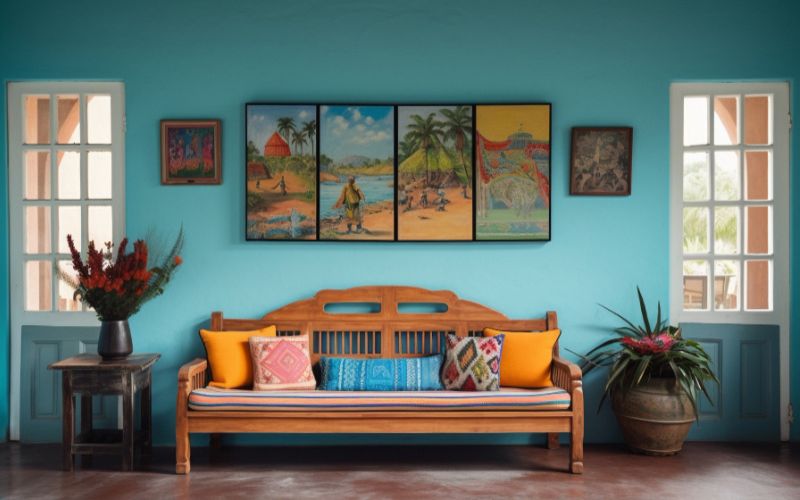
(781, 161)
(16, 189)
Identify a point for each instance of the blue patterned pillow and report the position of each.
(408, 374)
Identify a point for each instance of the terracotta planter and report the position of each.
(655, 417)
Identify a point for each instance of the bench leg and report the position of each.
(182, 445)
(576, 436)
(182, 451)
(552, 440)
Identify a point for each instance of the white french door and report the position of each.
(730, 204)
(66, 176)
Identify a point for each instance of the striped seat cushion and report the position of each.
(213, 398)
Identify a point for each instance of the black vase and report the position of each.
(115, 340)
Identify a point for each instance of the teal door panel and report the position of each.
(40, 408)
(746, 405)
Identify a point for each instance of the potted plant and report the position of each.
(654, 381)
(116, 288)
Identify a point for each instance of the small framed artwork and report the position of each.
(512, 172)
(190, 152)
(600, 161)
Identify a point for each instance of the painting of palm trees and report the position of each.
(512, 150)
(281, 172)
(435, 171)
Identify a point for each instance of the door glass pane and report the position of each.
(99, 174)
(37, 175)
(726, 230)
(759, 229)
(98, 117)
(38, 285)
(100, 225)
(758, 278)
(37, 229)
(69, 175)
(69, 119)
(65, 291)
(726, 176)
(37, 119)
(758, 175)
(695, 176)
(69, 223)
(695, 284)
(726, 120)
(757, 129)
(726, 285)
(695, 120)
(695, 230)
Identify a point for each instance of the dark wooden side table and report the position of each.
(88, 375)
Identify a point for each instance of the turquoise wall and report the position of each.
(598, 62)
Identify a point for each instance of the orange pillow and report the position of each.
(526, 358)
(229, 356)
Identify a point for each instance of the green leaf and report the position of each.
(644, 312)
(623, 318)
(640, 369)
(658, 318)
(617, 370)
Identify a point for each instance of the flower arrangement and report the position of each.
(117, 288)
(657, 350)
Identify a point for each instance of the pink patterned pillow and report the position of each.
(281, 363)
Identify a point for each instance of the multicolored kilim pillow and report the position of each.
(281, 363)
(472, 363)
(398, 374)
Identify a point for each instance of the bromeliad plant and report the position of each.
(117, 288)
(652, 350)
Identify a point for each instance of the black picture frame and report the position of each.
(474, 171)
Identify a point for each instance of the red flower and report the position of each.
(657, 344)
(178, 261)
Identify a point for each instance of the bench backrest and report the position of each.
(383, 321)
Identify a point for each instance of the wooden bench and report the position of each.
(385, 331)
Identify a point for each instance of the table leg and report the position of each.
(146, 414)
(128, 422)
(86, 424)
(68, 420)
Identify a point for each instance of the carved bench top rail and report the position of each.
(387, 332)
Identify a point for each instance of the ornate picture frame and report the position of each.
(191, 152)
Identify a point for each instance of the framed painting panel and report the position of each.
(357, 173)
(434, 173)
(190, 152)
(512, 175)
(281, 171)
(600, 161)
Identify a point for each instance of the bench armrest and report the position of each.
(192, 376)
(566, 375)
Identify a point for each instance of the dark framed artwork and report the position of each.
(190, 152)
(357, 172)
(374, 172)
(281, 171)
(600, 161)
(435, 173)
(512, 159)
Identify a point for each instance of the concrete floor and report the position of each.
(702, 470)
